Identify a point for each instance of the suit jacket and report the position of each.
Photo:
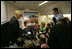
(60, 36)
(14, 28)
(10, 31)
(5, 34)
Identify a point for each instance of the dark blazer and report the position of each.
(14, 28)
(10, 31)
(5, 34)
(60, 36)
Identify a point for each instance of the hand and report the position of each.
(46, 34)
(49, 31)
(40, 32)
(21, 27)
(19, 39)
(26, 34)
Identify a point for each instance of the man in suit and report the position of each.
(56, 13)
(60, 35)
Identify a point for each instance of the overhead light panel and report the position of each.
(43, 3)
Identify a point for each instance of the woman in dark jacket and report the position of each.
(10, 31)
(14, 26)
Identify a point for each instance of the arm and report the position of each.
(37, 37)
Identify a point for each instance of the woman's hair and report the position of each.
(17, 13)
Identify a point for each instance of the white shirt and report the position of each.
(58, 16)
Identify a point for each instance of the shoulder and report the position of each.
(60, 14)
(13, 20)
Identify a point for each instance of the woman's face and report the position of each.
(19, 16)
(43, 25)
(27, 24)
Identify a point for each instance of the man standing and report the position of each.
(56, 13)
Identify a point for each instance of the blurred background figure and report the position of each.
(27, 31)
(48, 29)
(43, 28)
(43, 41)
(36, 28)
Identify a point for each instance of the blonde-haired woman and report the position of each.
(14, 26)
(18, 14)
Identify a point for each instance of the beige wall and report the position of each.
(7, 11)
(3, 12)
(10, 10)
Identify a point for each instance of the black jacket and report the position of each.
(10, 31)
(14, 28)
(5, 34)
(60, 36)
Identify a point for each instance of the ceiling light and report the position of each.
(43, 3)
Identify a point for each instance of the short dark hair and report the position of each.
(36, 22)
(25, 23)
(55, 9)
(48, 24)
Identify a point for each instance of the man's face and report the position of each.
(55, 12)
